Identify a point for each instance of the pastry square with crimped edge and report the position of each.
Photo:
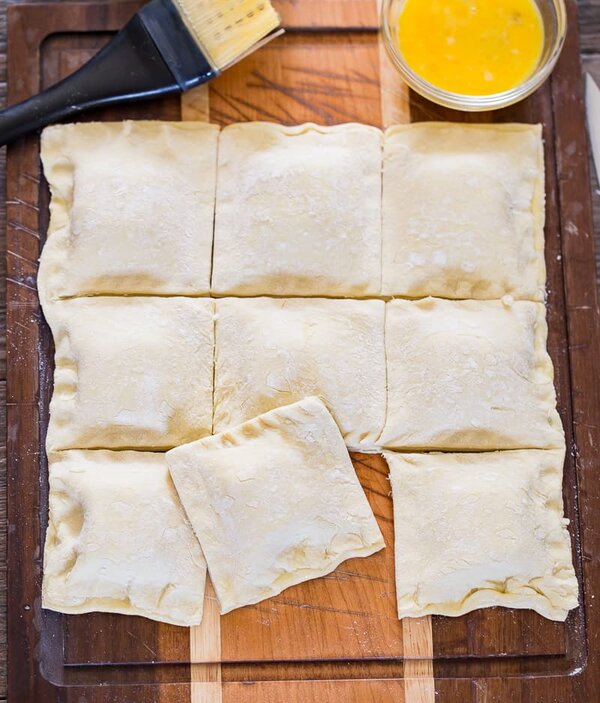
(303, 205)
(132, 208)
(469, 374)
(274, 502)
(479, 530)
(131, 373)
(118, 540)
(463, 211)
(272, 351)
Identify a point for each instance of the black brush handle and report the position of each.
(154, 54)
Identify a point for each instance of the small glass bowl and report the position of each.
(554, 18)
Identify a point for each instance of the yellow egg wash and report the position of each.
(471, 47)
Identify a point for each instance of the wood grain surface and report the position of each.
(549, 639)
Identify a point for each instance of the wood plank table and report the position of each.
(589, 19)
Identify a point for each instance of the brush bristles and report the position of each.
(226, 29)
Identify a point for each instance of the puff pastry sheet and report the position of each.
(469, 375)
(463, 211)
(131, 373)
(274, 502)
(118, 539)
(479, 530)
(272, 352)
(131, 210)
(298, 210)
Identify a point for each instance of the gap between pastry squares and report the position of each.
(436, 344)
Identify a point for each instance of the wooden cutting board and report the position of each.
(335, 638)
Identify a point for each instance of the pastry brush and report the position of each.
(169, 46)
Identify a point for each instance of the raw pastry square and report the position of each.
(479, 530)
(469, 375)
(131, 372)
(118, 540)
(272, 352)
(463, 211)
(274, 502)
(132, 208)
(298, 210)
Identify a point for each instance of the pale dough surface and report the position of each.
(298, 210)
(469, 375)
(272, 352)
(274, 502)
(479, 530)
(131, 373)
(132, 208)
(463, 211)
(118, 539)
